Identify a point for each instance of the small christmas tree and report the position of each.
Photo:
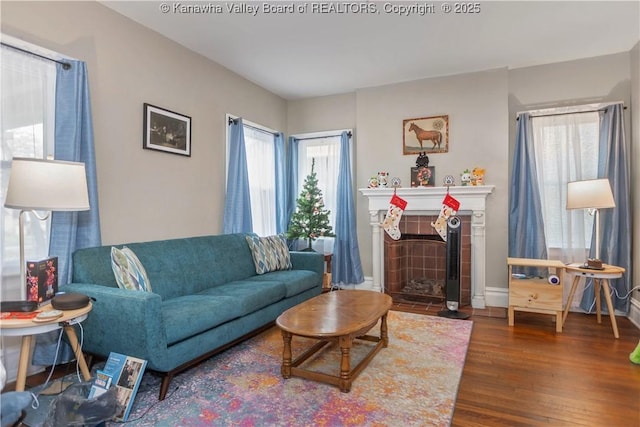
(310, 220)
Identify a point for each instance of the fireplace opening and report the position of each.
(415, 265)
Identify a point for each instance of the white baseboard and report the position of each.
(499, 297)
(634, 312)
(496, 297)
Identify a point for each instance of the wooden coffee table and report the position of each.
(341, 317)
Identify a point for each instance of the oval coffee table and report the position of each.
(341, 317)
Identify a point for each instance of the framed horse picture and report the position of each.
(425, 135)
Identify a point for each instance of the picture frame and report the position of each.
(166, 130)
(423, 176)
(425, 135)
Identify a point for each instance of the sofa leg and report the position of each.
(164, 386)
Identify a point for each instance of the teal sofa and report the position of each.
(206, 297)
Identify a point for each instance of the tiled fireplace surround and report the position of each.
(426, 203)
(420, 257)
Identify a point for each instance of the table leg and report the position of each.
(73, 341)
(574, 285)
(285, 370)
(384, 331)
(612, 314)
(23, 363)
(597, 284)
(345, 363)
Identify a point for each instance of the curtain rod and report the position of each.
(232, 120)
(570, 112)
(349, 134)
(65, 65)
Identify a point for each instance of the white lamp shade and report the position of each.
(47, 185)
(590, 194)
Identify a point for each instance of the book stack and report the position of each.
(42, 279)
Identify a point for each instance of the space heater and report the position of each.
(452, 272)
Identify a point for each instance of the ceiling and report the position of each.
(304, 54)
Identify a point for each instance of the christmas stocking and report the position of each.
(391, 221)
(449, 207)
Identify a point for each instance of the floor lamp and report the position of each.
(592, 194)
(44, 185)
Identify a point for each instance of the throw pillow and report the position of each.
(269, 253)
(128, 270)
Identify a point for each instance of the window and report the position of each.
(27, 125)
(325, 149)
(262, 179)
(566, 148)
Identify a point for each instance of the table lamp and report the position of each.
(593, 195)
(44, 185)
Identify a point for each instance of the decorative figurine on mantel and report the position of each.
(465, 178)
(423, 175)
(422, 160)
(477, 176)
(383, 179)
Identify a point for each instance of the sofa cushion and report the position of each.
(190, 315)
(128, 270)
(248, 295)
(295, 281)
(269, 253)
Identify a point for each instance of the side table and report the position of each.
(600, 279)
(27, 328)
(326, 280)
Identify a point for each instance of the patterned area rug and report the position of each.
(412, 382)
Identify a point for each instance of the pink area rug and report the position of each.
(412, 382)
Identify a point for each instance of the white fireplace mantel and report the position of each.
(428, 201)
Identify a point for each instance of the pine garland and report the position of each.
(311, 220)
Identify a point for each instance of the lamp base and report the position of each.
(594, 264)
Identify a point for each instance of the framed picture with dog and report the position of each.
(425, 135)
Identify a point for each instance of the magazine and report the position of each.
(125, 373)
(100, 385)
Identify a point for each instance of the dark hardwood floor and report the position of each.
(529, 375)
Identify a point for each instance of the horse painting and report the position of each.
(426, 135)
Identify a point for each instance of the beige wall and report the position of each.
(322, 114)
(143, 194)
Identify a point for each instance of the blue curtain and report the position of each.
(615, 223)
(292, 183)
(346, 265)
(71, 230)
(237, 204)
(74, 142)
(526, 229)
(282, 218)
(292, 177)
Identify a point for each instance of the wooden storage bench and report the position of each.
(536, 294)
